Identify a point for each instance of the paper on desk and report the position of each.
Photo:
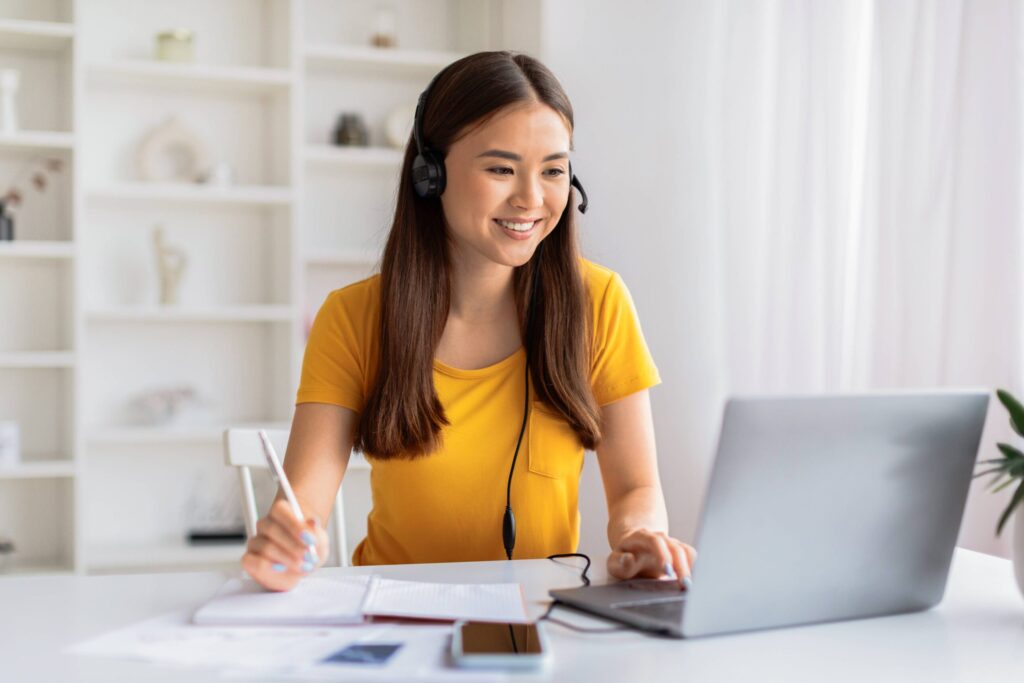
(314, 601)
(173, 640)
(501, 602)
(298, 652)
(423, 658)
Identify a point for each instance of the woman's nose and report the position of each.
(529, 194)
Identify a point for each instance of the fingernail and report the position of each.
(277, 567)
(308, 538)
(307, 567)
(669, 570)
(687, 582)
(309, 557)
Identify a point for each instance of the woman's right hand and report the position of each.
(276, 557)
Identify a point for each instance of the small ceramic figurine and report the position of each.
(171, 263)
(350, 131)
(384, 33)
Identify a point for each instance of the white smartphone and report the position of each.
(477, 644)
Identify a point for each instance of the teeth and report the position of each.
(518, 227)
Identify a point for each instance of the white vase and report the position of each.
(1018, 546)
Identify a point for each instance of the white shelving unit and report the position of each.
(38, 360)
(98, 489)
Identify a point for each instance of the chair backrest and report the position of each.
(243, 450)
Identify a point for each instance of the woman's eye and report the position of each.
(505, 170)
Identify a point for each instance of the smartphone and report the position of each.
(477, 644)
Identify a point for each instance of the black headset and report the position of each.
(428, 179)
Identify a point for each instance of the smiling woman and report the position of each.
(485, 336)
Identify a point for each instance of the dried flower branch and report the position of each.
(37, 171)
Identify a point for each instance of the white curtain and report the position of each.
(839, 190)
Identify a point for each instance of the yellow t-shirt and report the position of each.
(448, 506)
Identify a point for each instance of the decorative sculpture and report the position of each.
(171, 262)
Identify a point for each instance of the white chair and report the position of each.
(242, 449)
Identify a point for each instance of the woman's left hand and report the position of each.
(645, 553)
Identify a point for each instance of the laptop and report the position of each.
(819, 508)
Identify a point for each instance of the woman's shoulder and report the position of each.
(362, 295)
(597, 278)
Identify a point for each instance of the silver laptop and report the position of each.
(819, 508)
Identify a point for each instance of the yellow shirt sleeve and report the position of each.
(332, 367)
(622, 363)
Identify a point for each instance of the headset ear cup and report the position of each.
(428, 176)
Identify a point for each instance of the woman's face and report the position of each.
(513, 168)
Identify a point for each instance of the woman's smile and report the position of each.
(516, 230)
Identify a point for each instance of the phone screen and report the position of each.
(482, 638)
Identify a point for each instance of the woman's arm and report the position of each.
(637, 519)
(319, 446)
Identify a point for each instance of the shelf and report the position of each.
(211, 435)
(35, 35)
(241, 195)
(36, 359)
(354, 157)
(46, 469)
(226, 80)
(36, 568)
(31, 249)
(342, 257)
(327, 56)
(185, 314)
(37, 141)
(163, 555)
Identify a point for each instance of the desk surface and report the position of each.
(975, 634)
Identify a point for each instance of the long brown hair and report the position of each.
(403, 416)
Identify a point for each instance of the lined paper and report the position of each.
(499, 602)
(314, 602)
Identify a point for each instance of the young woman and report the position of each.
(475, 369)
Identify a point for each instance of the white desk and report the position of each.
(976, 634)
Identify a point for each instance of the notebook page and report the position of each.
(314, 601)
(502, 602)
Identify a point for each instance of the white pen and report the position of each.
(278, 472)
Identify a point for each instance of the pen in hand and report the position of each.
(278, 473)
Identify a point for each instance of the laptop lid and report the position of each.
(821, 508)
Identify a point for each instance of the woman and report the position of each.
(443, 373)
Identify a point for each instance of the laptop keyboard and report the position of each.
(663, 610)
(663, 600)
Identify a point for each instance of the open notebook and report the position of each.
(349, 599)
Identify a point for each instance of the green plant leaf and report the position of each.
(1016, 410)
(1010, 452)
(1018, 496)
(1002, 486)
(991, 471)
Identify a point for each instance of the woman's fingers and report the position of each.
(261, 546)
(639, 554)
(680, 562)
(272, 576)
(651, 554)
(323, 545)
(271, 529)
(281, 513)
(284, 549)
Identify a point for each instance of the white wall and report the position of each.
(623, 70)
(638, 77)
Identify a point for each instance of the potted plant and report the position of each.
(1009, 470)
